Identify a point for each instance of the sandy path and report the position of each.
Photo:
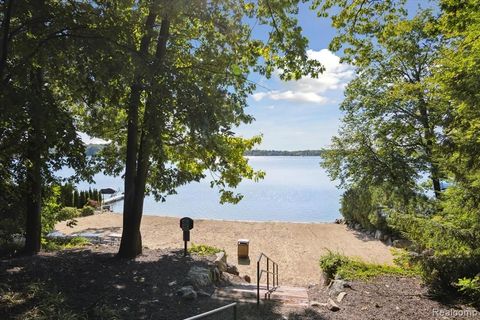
(296, 247)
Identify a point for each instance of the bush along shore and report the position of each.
(447, 255)
(408, 148)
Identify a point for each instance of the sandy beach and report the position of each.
(296, 247)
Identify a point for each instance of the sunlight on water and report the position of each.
(294, 189)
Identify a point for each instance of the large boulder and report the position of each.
(221, 261)
(199, 277)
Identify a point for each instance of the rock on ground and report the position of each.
(337, 286)
(187, 293)
(340, 296)
(332, 306)
(199, 277)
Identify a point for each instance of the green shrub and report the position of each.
(403, 259)
(356, 206)
(331, 263)
(53, 212)
(350, 269)
(447, 249)
(56, 244)
(204, 250)
(12, 205)
(68, 213)
(50, 209)
(470, 287)
(10, 226)
(66, 195)
(362, 270)
(87, 211)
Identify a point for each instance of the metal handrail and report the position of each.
(209, 313)
(260, 272)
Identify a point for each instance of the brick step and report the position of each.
(289, 296)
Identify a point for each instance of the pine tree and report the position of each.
(76, 199)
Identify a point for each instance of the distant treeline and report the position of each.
(299, 153)
(93, 149)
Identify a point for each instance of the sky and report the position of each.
(304, 114)
(296, 115)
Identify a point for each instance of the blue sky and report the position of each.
(299, 114)
(304, 114)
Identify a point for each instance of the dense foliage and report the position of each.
(38, 132)
(163, 83)
(334, 264)
(167, 85)
(359, 205)
(411, 123)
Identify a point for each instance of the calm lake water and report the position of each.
(294, 189)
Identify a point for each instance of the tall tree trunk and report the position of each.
(33, 224)
(133, 246)
(131, 243)
(429, 136)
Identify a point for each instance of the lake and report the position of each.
(295, 189)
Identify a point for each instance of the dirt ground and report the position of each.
(391, 297)
(89, 283)
(296, 247)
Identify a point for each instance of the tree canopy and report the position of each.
(165, 83)
(412, 112)
(38, 133)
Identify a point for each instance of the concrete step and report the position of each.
(288, 296)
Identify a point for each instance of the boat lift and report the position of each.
(115, 196)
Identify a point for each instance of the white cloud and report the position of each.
(313, 90)
(289, 95)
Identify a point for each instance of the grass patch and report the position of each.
(204, 250)
(56, 244)
(351, 269)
